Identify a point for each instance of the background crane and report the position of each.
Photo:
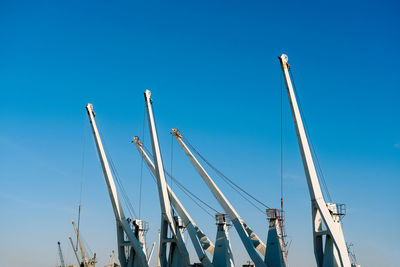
(60, 255)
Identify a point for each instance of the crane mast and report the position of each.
(200, 241)
(178, 255)
(223, 250)
(334, 251)
(131, 245)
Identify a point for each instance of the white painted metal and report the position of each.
(223, 252)
(276, 248)
(158, 250)
(151, 252)
(137, 251)
(249, 242)
(200, 241)
(167, 218)
(335, 252)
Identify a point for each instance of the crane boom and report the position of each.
(83, 254)
(331, 255)
(75, 250)
(251, 242)
(137, 253)
(182, 256)
(60, 255)
(200, 241)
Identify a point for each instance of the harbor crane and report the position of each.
(250, 240)
(85, 261)
(178, 254)
(329, 245)
(75, 249)
(60, 255)
(130, 234)
(200, 241)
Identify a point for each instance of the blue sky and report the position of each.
(213, 71)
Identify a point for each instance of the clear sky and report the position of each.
(213, 71)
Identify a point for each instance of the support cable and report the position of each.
(82, 179)
(187, 192)
(314, 154)
(281, 142)
(124, 195)
(172, 160)
(232, 184)
(141, 166)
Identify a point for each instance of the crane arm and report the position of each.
(310, 171)
(75, 250)
(199, 239)
(112, 190)
(158, 166)
(166, 212)
(250, 242)
(83, 254)
(60, 254)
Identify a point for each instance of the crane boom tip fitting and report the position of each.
(175, 132)
(284, 60)
(147, 95)
(136, 141)
(89, 108)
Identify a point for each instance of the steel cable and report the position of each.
(227, 180)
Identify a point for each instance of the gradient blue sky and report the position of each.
(213, 70)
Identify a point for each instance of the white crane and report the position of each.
(201, 242)
(250, 240)
(330, 251)
(178, 254)
(131, 245)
